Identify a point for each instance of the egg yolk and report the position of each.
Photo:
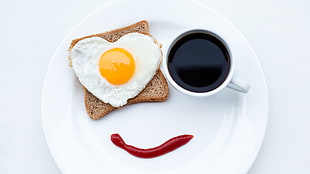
(117, 66)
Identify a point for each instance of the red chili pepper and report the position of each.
(164, 148)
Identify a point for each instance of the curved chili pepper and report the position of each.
(164, 148)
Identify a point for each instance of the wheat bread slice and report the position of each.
(155, 91)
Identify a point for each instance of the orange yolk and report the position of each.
(117, 66)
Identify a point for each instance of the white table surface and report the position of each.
(278, 30)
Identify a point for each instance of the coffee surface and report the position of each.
(199, 62)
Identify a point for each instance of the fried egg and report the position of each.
(115, 72)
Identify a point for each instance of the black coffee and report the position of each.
(199, 62)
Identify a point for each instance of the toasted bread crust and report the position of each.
(140, 27)
(155, 91)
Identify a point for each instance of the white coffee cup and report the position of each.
(230, 80)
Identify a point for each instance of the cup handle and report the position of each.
(239, 85)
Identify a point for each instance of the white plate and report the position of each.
(228, 127)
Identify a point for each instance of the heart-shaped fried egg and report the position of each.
(115, 72)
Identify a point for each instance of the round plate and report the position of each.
(228, 127)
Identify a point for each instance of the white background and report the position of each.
(278, 30)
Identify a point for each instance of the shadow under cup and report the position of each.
(198, 61)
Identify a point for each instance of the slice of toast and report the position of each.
(155, 91)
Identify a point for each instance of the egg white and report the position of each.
(86, 54)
